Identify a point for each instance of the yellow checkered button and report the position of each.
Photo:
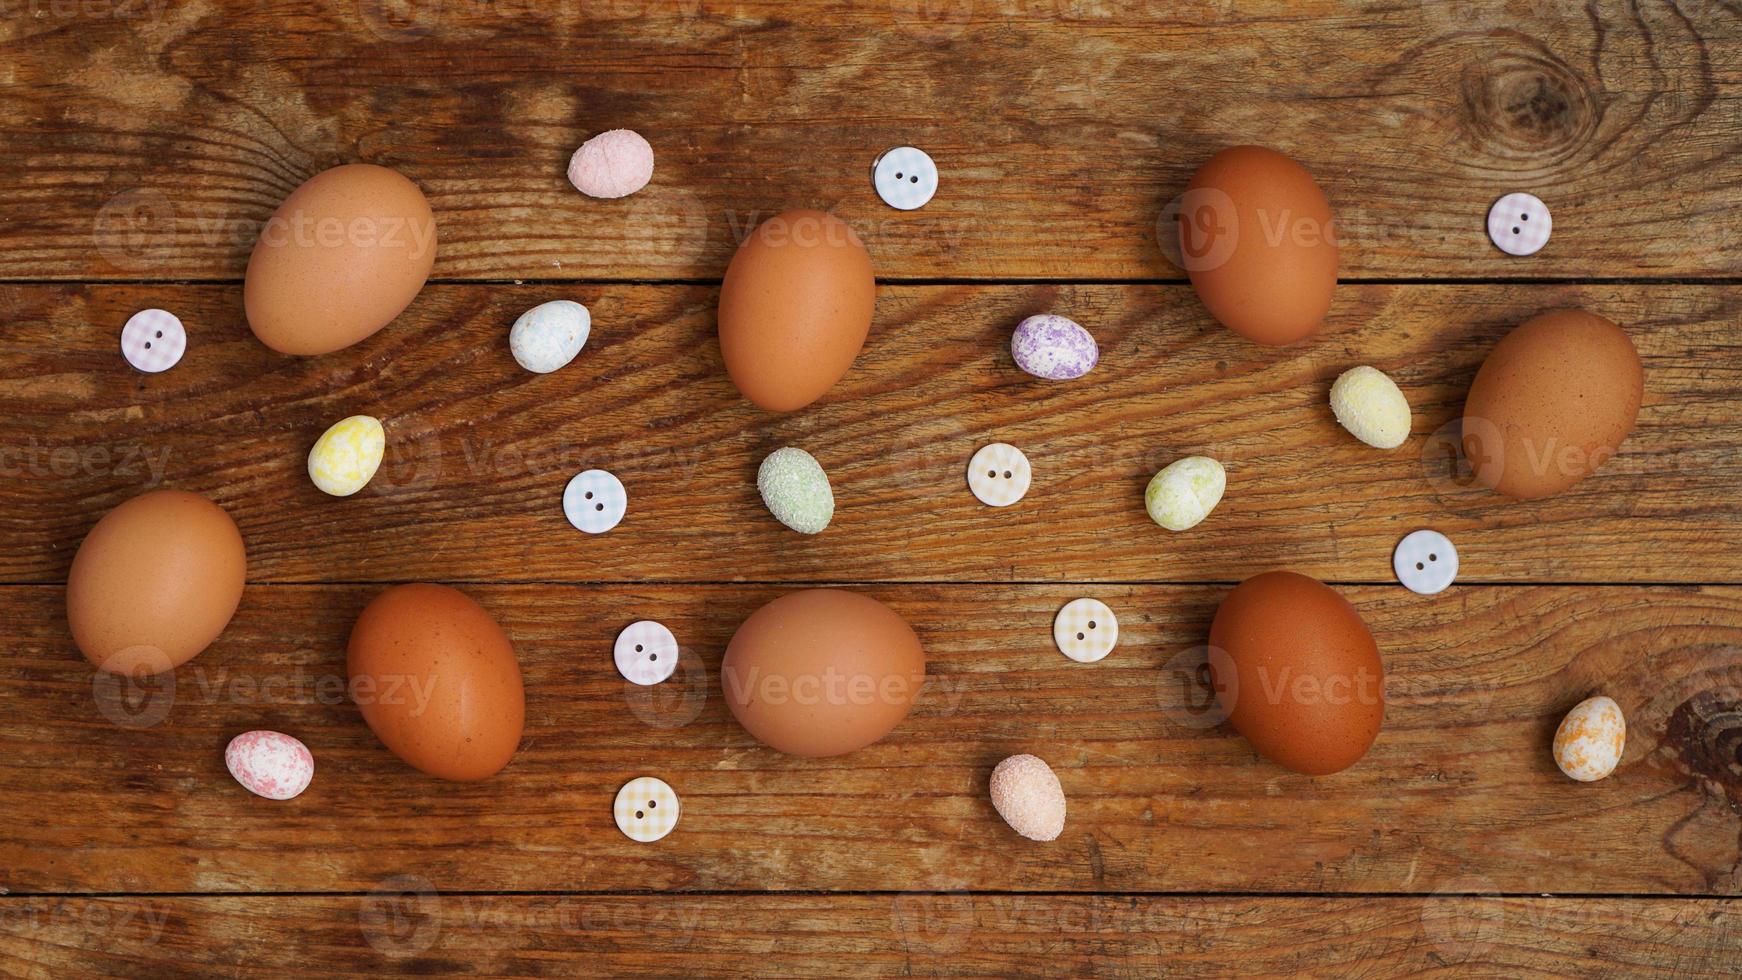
(999, 474)
(1085, 630)
(646, 809)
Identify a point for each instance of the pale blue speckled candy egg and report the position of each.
(550, 335)
(1054, 347)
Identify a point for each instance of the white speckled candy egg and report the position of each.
(270, 764)
(1371, 407)
(346, 456)
(796, 490)
(1053, 347)
(1027, 794)
(1589, 742)
(549, 335)
(1184, 493)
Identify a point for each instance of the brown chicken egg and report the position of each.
(1551, 404)
(155, 582)
(341, 257)
(795, 308)
(1257, 240)
(1297, 672)
(822, 672)
(437, 681)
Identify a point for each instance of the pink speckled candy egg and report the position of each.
(270, 764)
(1054, 347)
(613, 164)
(1027, 794)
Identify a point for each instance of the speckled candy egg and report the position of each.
(613, 164)
(1589, 742)
(345, 457)
(1053, 347)
(549, 335)
(796, 490)
(1027, 794)
(1371, 407)
(1184, 492)
(270, 764)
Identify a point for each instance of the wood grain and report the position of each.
(940, 934)
(1459, 792)
(148, 140)
(480, 450)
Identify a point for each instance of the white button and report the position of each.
(646, 809)
(1425, 562)
(153, 340)
(1085, 630)
(595, 501)
(1519, 224)
(646, 652)
(906, 177)
(999, 474)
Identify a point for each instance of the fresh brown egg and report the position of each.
(1552, 403)
(437, 681)
(795, 308)
(155, 582)
(1257, 240)
(341, 257)
(822, 672)
(1297, 672)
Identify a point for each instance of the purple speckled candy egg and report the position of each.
(270, 764)
(1053, 347)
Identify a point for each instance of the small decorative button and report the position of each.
(999, 474)
(595, 501)
(1519, 224)
(646, 809)
(1085, 630)
(1425, 562)
(153, 340)
(646, 653)
(906, 177)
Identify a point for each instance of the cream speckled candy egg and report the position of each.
(1027, 794)
(1184, 493)
(549, 335)
(1589, 743)
(345, 457)
(1371, 407)
(270, 764)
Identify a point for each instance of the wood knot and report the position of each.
(1705, 731)
(1529, 106)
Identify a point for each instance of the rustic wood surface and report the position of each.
(142, 143)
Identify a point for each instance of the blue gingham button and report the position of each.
(1519, 224)
(594, 501)
(906, 177)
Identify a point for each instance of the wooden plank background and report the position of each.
(142, 142)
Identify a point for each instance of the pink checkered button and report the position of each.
(1519, 224)
(153, 340)
(646, 653)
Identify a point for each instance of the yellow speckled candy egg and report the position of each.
(1371, 407)
(347, 455)
(1589, 742)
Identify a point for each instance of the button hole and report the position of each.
(1524, 217)
(1006, 474)
(898, 175)
(638, 648)
(1419, 566)
(1080, 636)
(640, 815)
(653, 656)
(1091, 624)
(1433, 557)
(1515, 230)
(589, 495)
(992, 473)
(652, 804)
(598, 506)
(148, 345)
(160, 333)
(913, 180)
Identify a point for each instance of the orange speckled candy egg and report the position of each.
(155, 582)
(822, 672)
(1257, 240)
(1297, 672)
(341, 257)
(437, 681)
(1552, 403)
(795, 308)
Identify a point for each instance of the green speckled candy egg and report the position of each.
(796, 490)
(1184, 493)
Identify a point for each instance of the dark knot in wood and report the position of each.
(1705, 732)
(1528, 106)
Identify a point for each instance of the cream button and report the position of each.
(646, 809)
(1519, 224)
(595, 501)
(1425, 562)
(999, 474)
(1085, 630)
(646, 653)
(153, 340)
(906, 177)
